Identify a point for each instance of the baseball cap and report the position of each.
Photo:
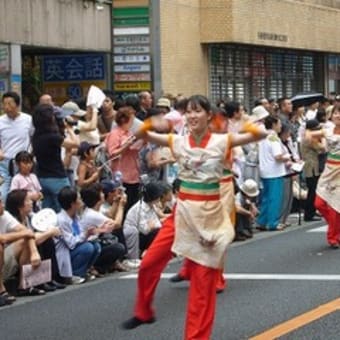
(60, 113)
(85, 147)
(109, 185)
(72, 108)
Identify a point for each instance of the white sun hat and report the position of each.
(259, 113)
(250, 188)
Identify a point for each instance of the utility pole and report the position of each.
(156, 46)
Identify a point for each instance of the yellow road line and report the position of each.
(299, 321)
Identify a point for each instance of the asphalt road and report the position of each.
(273, 278)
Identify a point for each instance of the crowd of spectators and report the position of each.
(111, 193)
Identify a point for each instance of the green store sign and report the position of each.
(130, 16)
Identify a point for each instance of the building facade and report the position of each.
(252, 48)
(245, 49)
(54, 46)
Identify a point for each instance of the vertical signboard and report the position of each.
(4, 59)
(131, 49)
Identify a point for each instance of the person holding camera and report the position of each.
(84, 122)
(47, 142)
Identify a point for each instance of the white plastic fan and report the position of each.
(44, 219)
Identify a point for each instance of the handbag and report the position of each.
(299, 192)
(107, 239)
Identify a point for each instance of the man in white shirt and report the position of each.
(82, 254)
(16, 130)
(143, 218)
(17, 247)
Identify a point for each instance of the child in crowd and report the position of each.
(87, 171)
(26, 179)
(246, 210)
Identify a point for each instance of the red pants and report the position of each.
(184, 273)
(332, 218)
(202, 291)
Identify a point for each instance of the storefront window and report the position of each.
(334, 74)
(246, 73)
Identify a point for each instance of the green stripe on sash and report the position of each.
(200, 186)
(333, 156)
(227, 172)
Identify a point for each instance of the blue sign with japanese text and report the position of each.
(74, 67)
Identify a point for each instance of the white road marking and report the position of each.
(321, 229)
(240, 276)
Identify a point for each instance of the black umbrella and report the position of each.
(307, 98)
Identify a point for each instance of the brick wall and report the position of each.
(285, 23)
(183, 58)
(216, 20)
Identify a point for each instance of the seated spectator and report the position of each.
(166, 202)
(112, 249)
(113, 207)
(19, 205)
(142, 216)
(175, 187)
(87, 172)
(26, 179)
(83, 253)
(17, 247)
(246, 210)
